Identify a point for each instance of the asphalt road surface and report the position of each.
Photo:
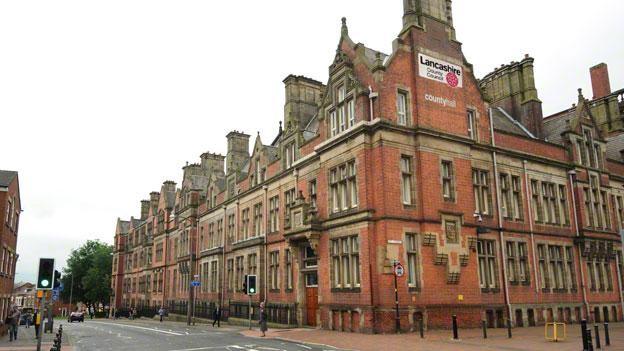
(147, 335)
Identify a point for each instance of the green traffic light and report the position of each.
(45, 283)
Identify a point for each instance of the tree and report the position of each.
(90, 266)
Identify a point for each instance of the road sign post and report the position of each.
(398, 270)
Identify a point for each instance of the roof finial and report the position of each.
(345, 29)
(280, 128)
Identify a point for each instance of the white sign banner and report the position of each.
(440, 71)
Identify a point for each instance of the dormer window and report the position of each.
(342, 116)
(290, 154)
(589, 151)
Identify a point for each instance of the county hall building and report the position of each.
(495, 211)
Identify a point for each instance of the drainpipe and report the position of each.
(501, 236)
(571, 175)
(526, 192)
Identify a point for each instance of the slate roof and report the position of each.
(503, 121)
(556, 125)
(614, 146)
(6, 177)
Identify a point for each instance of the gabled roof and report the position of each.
(6, 177)
(570, 120)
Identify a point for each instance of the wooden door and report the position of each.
(311, 305)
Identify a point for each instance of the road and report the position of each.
(147, 335)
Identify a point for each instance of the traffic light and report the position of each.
(45, 276)
(57, 279)
(251, 285)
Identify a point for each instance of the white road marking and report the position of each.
(305, 347)
(142, 328)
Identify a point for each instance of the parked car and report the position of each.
(76, 316)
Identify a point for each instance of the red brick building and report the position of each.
(495, 211)
(10, 209)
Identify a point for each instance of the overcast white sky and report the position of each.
(101, 101)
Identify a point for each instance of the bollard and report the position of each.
(484, 326)
(455, 336)
(590, 345)
(509, 328)
(584, 334)
(607, 339)
(422, 328)
(597, 331)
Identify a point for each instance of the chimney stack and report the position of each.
(600, 80)
(145, 204)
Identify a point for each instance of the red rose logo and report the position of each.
(452, 80)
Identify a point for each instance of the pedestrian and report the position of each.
(91, 312)
(216, 316)
(13, 321)
(36, 323)
(161, 313)
(134, 312)
(263, 320)
(28, 320)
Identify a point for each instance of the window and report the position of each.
(589, 143)
(543, 268)
(411, 250)
(402, 108)
(512, 260)
(549, 202)
(516, 200)
(343, 187)
(563, 204)
(290, 151)
(252, 263)
(448, 186)
(472, 133)
(570, 271)
(214, 276)
(505, 196)
(343, 116)
(511, 197)
(556, 267)
(481, 187)
(312, 193)
(205, 276)
(219, 233)
(289, 200)
(346, 262)
(258, 219)
(592, 275)
(333, 123)
(605, 209)
(230, 273)
(245, 220)
(523, 258)
(274, 214)
(240, 269)
(289, 270)
(487, 264)
(274, 270)
(231, 227)
(159, 252)
(211, 238)
(406, 180)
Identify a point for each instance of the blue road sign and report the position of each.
(195, 283)
(61, 287)
(55, 295)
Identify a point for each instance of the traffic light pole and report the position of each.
(39, 315)
(249, 296)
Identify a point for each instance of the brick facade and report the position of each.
(10, 210)
(402, 157)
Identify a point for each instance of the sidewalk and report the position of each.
(26, 341)
(441, 340)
